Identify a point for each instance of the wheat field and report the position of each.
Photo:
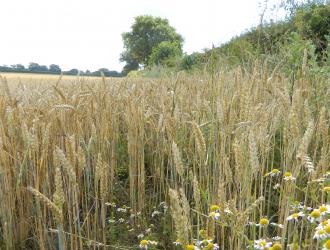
(236, 159)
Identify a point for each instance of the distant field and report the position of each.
(15, 79)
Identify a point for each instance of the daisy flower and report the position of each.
(320, 234)
(326, 245)
(273, 173)
(262, 244)
(191, 247)
(324, 224)
(324, 209)
(288, 176)
(276, 246)
(295, 216)
(212, 246)
(315, 215)
(263, 222)
(144, 244)
(325, 228)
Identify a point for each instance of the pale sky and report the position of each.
(86, 34)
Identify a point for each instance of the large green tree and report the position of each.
(147, 32)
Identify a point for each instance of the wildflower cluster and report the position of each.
(205, 244)
(147, 234)
(287, 176)
(324, 182)
(298, 211)
(265, 244)
(144, 244)
(273, 173)
(264, 222)
(319, 216)
(120, 214)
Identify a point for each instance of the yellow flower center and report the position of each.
(214, 208)
(327, 229)
(287, 174)
(190, 247)
(275, 171)
(323, 209)
(315, 213)
(210, 246)
(143, 243)
(264, 221)
(295, 215)
(327, 244)
(262, 243)
(326, 189)
(277, 246)
(321, 232)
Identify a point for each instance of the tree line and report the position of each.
(152, 41)
(55, 69)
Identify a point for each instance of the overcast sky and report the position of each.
(86, 34)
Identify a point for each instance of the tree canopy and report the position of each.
(147, 32)
(165, 53)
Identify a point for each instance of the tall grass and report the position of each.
(71, 149)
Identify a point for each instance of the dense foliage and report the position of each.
(308, 22)
(307, 25)
(165, 53)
